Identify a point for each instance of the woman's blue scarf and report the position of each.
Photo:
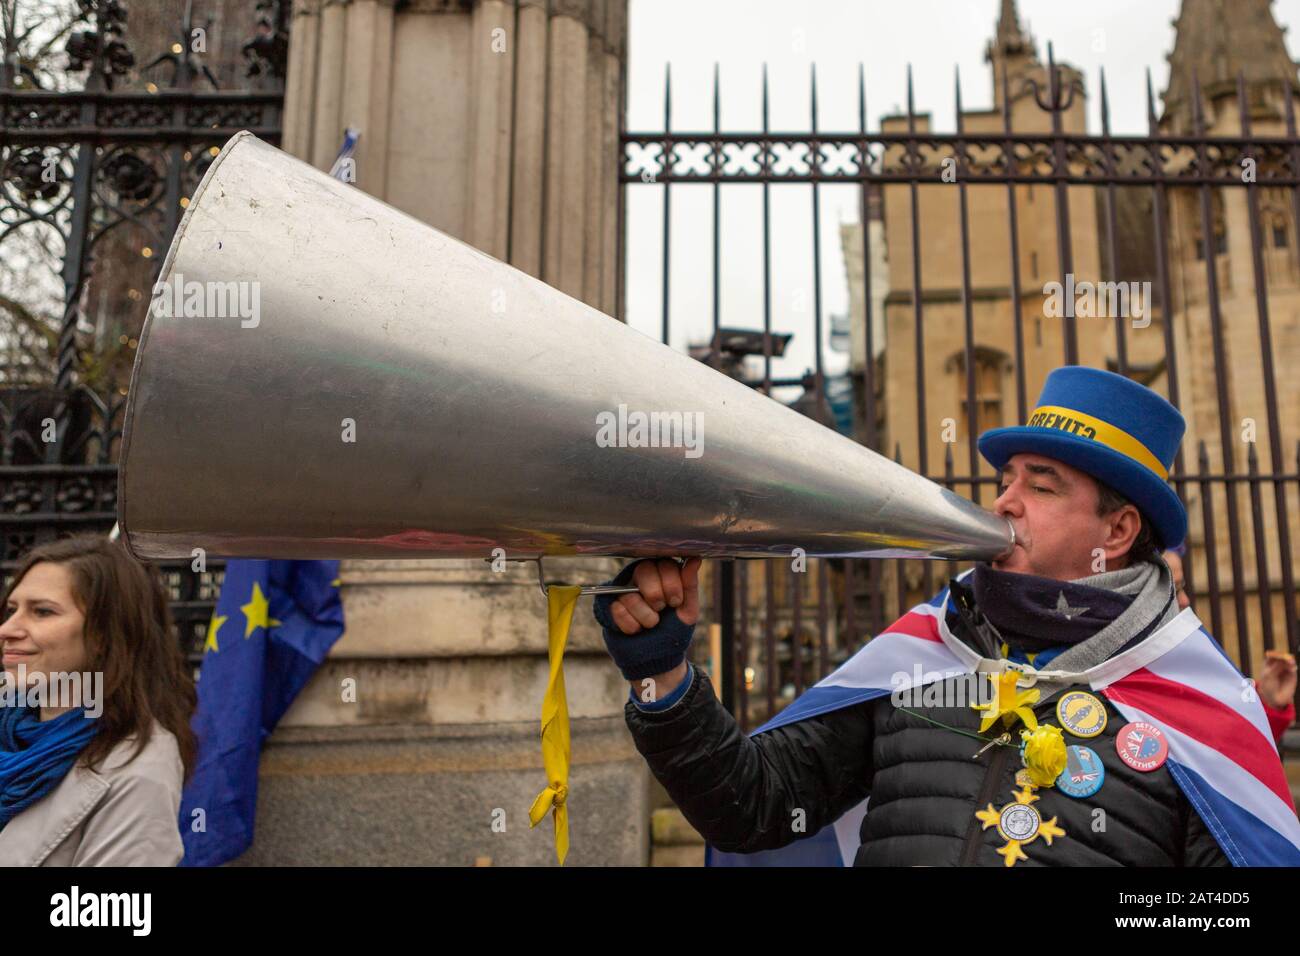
(35, 755)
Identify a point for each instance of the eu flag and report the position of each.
(273, 625)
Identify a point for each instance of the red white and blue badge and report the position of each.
(1142, 746)
(1083, 774)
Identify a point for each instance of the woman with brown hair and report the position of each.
(94, 781)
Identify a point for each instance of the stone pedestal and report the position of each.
(418, 741)
(411, 795)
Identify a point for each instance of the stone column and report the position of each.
(418, 740)
(511, 147)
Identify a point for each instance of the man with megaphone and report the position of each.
(1100, 723)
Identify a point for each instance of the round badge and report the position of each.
(1081, 713)
(1019, 822)
(1142, 746)
(1083, 774)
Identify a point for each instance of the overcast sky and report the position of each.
(934, 36)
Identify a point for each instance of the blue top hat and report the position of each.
(1111, 428)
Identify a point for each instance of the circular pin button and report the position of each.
(1019, 822)
(1081, 714)
(1083, 774)
(1142, 746)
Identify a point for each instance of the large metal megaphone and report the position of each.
(323, 376)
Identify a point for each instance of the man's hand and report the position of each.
(1277, 680)
(660, 584)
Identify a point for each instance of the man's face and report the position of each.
(1059, 534)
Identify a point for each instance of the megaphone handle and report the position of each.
(586, 588)
(604, 589)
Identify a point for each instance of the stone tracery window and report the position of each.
(992, 366)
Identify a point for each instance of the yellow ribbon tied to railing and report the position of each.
(560, 601)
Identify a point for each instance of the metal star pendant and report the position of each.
(1019, 823)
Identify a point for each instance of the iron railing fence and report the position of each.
(781, 631)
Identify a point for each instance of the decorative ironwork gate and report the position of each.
(103, 175)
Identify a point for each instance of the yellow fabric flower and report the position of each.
(1044, 754)
(1008, 703)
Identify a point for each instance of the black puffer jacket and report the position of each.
(742, 792)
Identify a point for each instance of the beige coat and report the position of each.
(124, 814)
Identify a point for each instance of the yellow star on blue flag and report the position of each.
(214, 625)
(292, 615)
(255, 612)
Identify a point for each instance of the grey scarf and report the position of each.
(1149, 584)
(1155, 600)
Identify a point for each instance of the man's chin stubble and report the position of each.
(1019, 568)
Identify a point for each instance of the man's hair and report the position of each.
(1144, 547)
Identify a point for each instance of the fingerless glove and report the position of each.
(650, 651)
